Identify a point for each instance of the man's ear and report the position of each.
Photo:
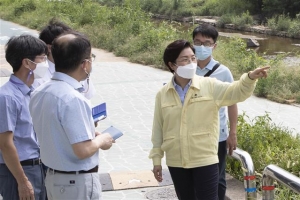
(26, 63)
(84, 65)
(49, 48)
(215, 46)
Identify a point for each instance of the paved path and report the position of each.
(129, 91)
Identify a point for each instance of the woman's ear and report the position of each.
(172, 66)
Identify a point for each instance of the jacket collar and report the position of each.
(195, 83)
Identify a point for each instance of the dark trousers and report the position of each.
(199, 183)
(222, 152)
(9, 185)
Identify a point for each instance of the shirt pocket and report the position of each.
(201, 145)
(201, 99)
(169, 109)
(169, 146)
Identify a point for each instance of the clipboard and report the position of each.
(114, 132)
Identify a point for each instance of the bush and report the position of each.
(233, 53)
(24, 6)
(294, 29)
(279, 23)
(224, 19)
(242, 21)
(283, 23)
(267, 143)
(272, 23)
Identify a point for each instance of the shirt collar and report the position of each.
(68, 79)
(175, 84)
(51, 66)
(20, 84)
(172, 84)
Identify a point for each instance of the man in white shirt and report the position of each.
(48, 34)
(69, 144)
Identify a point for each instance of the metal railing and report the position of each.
(273, 172)
(249, 173)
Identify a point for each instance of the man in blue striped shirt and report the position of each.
(21, 172)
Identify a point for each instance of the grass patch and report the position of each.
(267, 144)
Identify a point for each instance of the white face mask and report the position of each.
(88, 78)
(41, 69)
(188, 71)
(202, 52)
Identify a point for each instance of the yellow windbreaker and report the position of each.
(189, 132)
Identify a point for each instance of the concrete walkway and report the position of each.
(129, 91)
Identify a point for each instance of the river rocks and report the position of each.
(209, 21)
(252, 43)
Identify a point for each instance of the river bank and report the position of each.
(213, 20)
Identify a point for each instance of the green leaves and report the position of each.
(267, 144)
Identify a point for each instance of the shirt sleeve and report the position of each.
(226, 94)
(76, 122)
(228, 76)
(9, 114)
(156, 154)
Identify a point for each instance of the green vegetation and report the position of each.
(128, 31)
(237, 12)
(267, 144)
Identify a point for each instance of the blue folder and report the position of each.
(99, 112)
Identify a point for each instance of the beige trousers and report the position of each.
(73, 186)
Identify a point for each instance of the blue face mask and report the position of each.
(202, 52)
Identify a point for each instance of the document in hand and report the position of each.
(99, 112)
(114, 132)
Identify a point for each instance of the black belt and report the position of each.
(35, 161)
(95, 169)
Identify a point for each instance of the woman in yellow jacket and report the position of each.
(186, 122)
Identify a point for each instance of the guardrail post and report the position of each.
(273, 172)
(249, 173)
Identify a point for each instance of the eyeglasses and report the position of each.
(93, 57)
(206, 43)
(187, 60)
(42, 58)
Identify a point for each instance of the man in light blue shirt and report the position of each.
(205, 37)
(63, 121)
(21, 172)
(52, 30)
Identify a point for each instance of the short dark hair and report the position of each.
(206, 30)
(25, 46)
(68, 54)
(53, 30)
(173, 50)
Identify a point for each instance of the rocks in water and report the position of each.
(252, 43)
